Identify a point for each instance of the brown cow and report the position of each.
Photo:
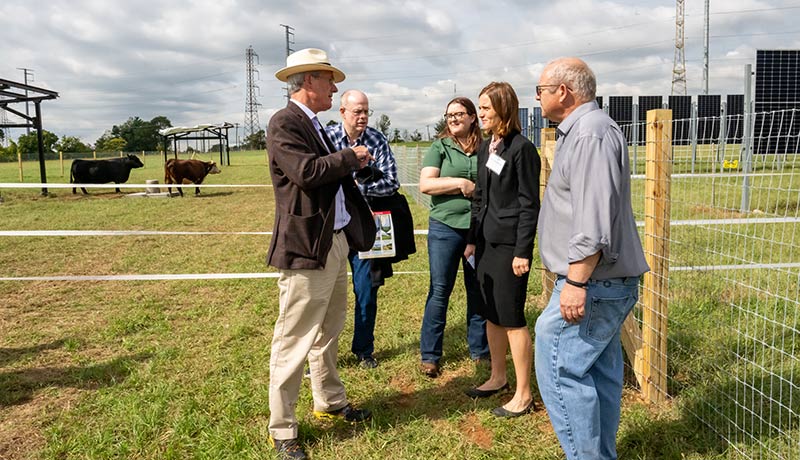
(188, 172)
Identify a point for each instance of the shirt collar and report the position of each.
(305, 109)
(567, 124)
(339, 135)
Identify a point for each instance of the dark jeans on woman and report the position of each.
(445, 250)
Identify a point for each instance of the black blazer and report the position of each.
(305, 179)
(505, 207)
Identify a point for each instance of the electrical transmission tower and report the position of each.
(289, 50)
(251, 125)
(679, 63)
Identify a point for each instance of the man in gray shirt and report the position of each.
(588, 237)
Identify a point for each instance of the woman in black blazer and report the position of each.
(505, 209)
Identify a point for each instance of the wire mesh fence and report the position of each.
(733, 337)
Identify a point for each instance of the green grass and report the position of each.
(179, 369)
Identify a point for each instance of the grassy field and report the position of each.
(179, 369)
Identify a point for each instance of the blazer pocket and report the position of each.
(508, 212)
(302, 234)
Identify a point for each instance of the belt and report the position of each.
(336, 232)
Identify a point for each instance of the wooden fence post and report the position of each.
(658, 170)
(61, 160)
(94, 154)
(144, 159)
(547, 154)
(19, 162)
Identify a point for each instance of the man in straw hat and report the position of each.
(319, 215)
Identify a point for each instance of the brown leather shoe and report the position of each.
(429, 369)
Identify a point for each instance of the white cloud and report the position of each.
(111, 60)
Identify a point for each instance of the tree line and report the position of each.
(137, 135)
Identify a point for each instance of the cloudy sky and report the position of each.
(110, 60)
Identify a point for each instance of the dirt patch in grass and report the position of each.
(470, 426)
(21, 427)
(405, 388)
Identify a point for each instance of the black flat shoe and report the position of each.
(505, 413)
(476, 393)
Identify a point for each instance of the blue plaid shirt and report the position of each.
(378, 146)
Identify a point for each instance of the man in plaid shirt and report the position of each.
(378, 179)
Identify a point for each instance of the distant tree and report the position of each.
(257, 140)
(383, 124)
(416, 136)
(29, 143)
(2, 134)
(331, 123)
(405, 135)
(158, 123)
(440, 126)
(396, 136)
(70, 144)
(138, 134)
(9, 153)
(115, 144)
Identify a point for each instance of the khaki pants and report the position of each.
(313, 308)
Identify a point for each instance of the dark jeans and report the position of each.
(445, 250)
(366, 307)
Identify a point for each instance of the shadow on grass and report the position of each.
(409, 397)
(10, 355)
(19, 386)
(741, 404)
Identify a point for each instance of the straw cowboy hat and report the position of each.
(307, 60)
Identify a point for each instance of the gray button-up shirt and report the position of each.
(587, 202)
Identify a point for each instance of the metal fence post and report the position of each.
(694, 126)
(635, 135)
(747, 144)
(723, 136)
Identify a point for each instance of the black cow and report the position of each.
(116, 170)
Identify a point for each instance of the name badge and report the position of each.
(495, 164)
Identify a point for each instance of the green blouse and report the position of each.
(446, 155)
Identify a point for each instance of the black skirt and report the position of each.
(503, 292)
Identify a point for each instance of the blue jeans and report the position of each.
(366, 308)
(579, 367)
(445, 250)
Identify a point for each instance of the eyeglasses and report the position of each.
(455, 116)
(358, 113)
(539, 88)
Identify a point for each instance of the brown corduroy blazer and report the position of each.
(305, 179)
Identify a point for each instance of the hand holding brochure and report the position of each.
(384, 238)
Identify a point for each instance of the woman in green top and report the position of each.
(448, 175)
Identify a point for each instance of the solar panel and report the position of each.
(681, 107)
(620, 109)
(646, 103)
(523, 120)
(777, 88)
(708, 109)
(735, 114)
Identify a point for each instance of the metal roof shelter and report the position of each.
(207, 131)
(12, 92)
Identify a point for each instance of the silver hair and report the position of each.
(295, 82)
(576, 75)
